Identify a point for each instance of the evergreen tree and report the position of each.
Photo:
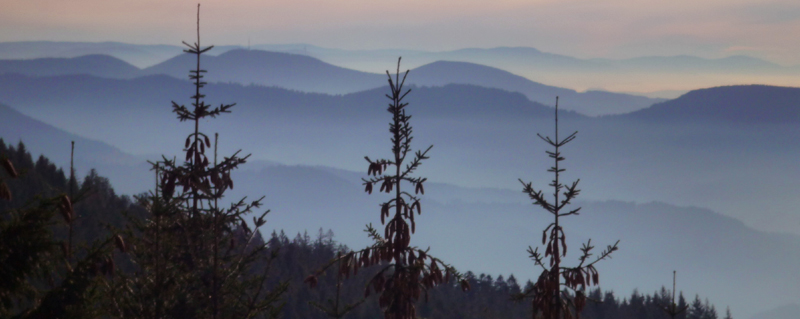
(406, 272)
(196, 259)
(636, 305)
(696, 310)
(549, 299)
(710, 312)
(667, 302)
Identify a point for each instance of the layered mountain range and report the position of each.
(653, 76)
(677, 159)
(307, 74)
(725, 156)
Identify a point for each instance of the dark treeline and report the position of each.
(488, 297)
(41, 178)
(298, 256)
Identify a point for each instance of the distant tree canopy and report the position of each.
(488, 296)
(43, 179)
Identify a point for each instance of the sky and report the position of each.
(615, 29)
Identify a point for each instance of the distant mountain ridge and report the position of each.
(136, 54)
(662, 76)
(668, 74)
(307, 74)
(290, 71)
(736, 104)
(590, 103)
(96, 64)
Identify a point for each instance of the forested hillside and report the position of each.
(39, 179)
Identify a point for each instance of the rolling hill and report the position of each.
(136, 54)
(303, 73)
(97, 65)
(744, 104)
(290, 71)
(590, 103)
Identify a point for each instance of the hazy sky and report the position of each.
(583, 28)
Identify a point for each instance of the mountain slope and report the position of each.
(639, 74)
(136, 54)
(737, 104)
(290, 71)
(97, 65)
(299, 72)
(303, 73)
(44, 139)
(589, 103)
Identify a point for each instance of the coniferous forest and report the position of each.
(71, 247)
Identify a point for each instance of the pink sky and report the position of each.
(766, 29)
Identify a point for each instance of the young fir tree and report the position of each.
(701, 310)
(549, 300)
(406, 272)
(195, 258)
(673, 310)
